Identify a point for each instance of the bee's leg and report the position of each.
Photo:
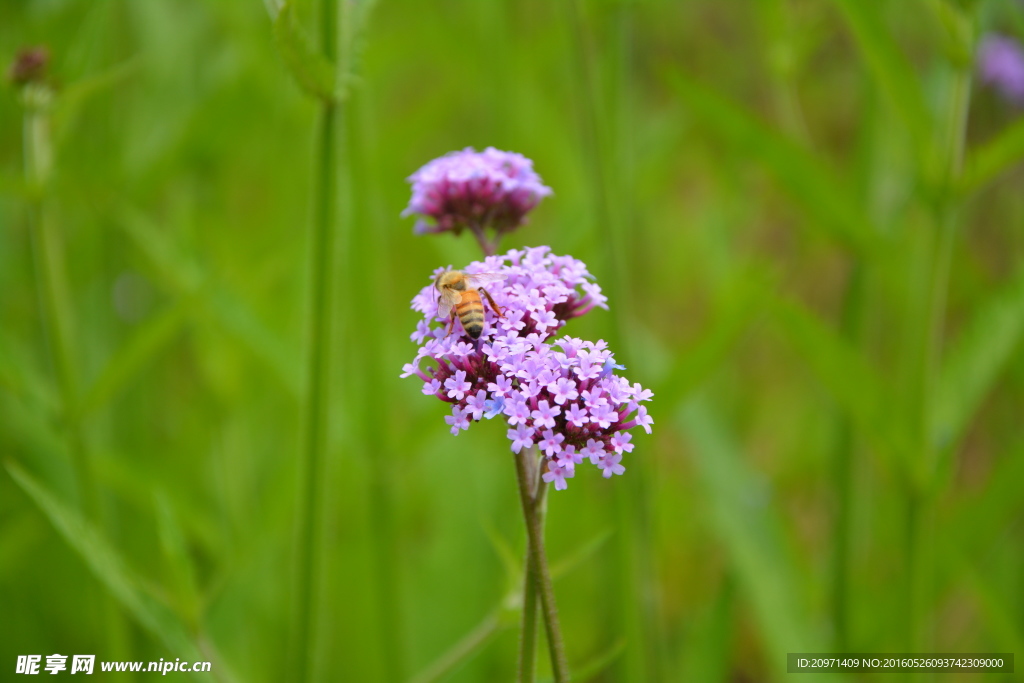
(451, 325)
(491, 301)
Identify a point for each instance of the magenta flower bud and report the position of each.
(560, 396)
(29, 66)
(480, 191)
(1001, 65)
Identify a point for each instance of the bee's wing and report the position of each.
(477, 280)
(447, 299)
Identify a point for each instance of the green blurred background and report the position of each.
(808, 218)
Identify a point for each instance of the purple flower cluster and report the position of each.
(562, 396)
(476, 190)
(1001, 65)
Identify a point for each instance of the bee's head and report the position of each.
(450, 279)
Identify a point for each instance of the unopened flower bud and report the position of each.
(29, 66)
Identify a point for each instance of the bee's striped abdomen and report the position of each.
(471, 312)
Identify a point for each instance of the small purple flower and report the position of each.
(588, 369)
(569, 457)
(558, 474)
(545, 415)
(477, 405)
(1001, 65)
(521, 437)
(551, 444)
(609, 465)
(642, 394)
(530, 389)
(643, 419)
(501, 386)
(475, 190)
(517, 410)
(563, 390)
(546, 319)
(458, 420)
(594, 450)
(431, 387)
(562, 397)
(457, 386)
(620, 442)
(575, 415)
(603, 415)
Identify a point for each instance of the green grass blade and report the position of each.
(580, 555)
(853, 383)
(311, 69)
(511, 562)
(233, 315)
(463, 650)
(176, 272)
(979, 520)
(957, 30)
(707, 649)
(890, 69)
(221, 307)
(109, 568)
(80, 92)
(995, 157)
(809, 182)
(996, 610)
(136, 354)
(976, 528)
(977, 358)
(181, 572)
(19, 376)
(589, 670)
(737, 307)
(751, 533)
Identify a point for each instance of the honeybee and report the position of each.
(457, 295)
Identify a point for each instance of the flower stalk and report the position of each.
(528, 631)
(56, 308)
(28, 74)
(314, 432)
(922, 477)
(531, 495)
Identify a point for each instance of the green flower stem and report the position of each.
(52, 288)
(922, 475)
(843, 473)
(51, 284)
(528, 631)
(526, 469)
(315, 434)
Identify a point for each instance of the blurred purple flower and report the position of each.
(1001, 65)
(476, 190)
(561, 395)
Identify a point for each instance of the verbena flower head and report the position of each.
(561, 395)
(475, 190)
(1001, 65)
